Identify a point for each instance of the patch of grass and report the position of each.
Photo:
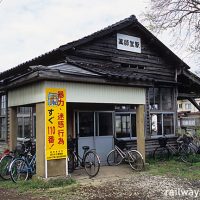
(37, 184)
(176, 169)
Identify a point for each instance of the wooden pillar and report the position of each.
(40, 140)
(140, 130)
(12, 127)
(54, 167)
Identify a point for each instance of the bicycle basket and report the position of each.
(162, 141)
(120, 143)
(19, 149)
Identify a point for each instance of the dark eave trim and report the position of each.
(194, 78)
(56, 76)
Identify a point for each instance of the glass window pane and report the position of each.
(156, 124)
(2, 128)
(167, 99)
(86, 124)
(122, 125)
(168, 124)
(157, 98)
(3, 105)
(105, 124)
(154, 98)
(133, 125)
(20, 127)
(27, 127)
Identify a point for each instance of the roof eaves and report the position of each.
(24, 66)
(191, 76)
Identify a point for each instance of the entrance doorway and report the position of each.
(97, 128)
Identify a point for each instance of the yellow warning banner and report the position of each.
(56, 123)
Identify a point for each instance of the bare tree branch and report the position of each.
(181, 17)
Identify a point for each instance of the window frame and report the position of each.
(188, 106)
(3, 116)
(23, 115)
(161, 111)
(160, 106)
(131, 131)
(78, 124)
(162, 120)
(180, 105)
(96, 123)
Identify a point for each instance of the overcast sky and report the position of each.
(29, 28)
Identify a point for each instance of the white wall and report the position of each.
(78, 92)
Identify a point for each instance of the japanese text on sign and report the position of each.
(128, 43)
(56, 130)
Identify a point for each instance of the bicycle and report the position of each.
(23, 168)
(133, 157)
(164, 150)
(192, 149)
(20, 150)
(90, 161)
(5, 161)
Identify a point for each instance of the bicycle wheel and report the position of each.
(19, 170)
(187, 155)
(4, 166)
(161, 154)
(135, 160)
(114, 158)
(91, 163)
(71, 162)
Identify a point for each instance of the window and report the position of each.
(162, 124)
(161, 98)
(24, 127)
(26, 122)
(162, 111)
(105, 124)
(154, 94)
(122, 125)
(86, 124)
(180, 105)
(125, 125)
(20, 127)
(188, 106)
(168, 124)
(167, 99)
(3, 121)
(2, 128)
(101, 123)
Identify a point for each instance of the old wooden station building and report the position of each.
(120, 82)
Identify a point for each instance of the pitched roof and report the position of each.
(58, 52)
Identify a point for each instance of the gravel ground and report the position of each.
(119, 183)
(136, 186)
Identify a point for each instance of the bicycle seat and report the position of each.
(85, 148)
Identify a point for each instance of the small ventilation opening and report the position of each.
(125, 65)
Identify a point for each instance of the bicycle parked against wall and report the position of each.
(165, 150)
(20, 150)
(90, 161)
(133, 157)
(23, 168)
(192, 148)
(5, 161)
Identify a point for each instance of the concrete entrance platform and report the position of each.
(105, 172)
